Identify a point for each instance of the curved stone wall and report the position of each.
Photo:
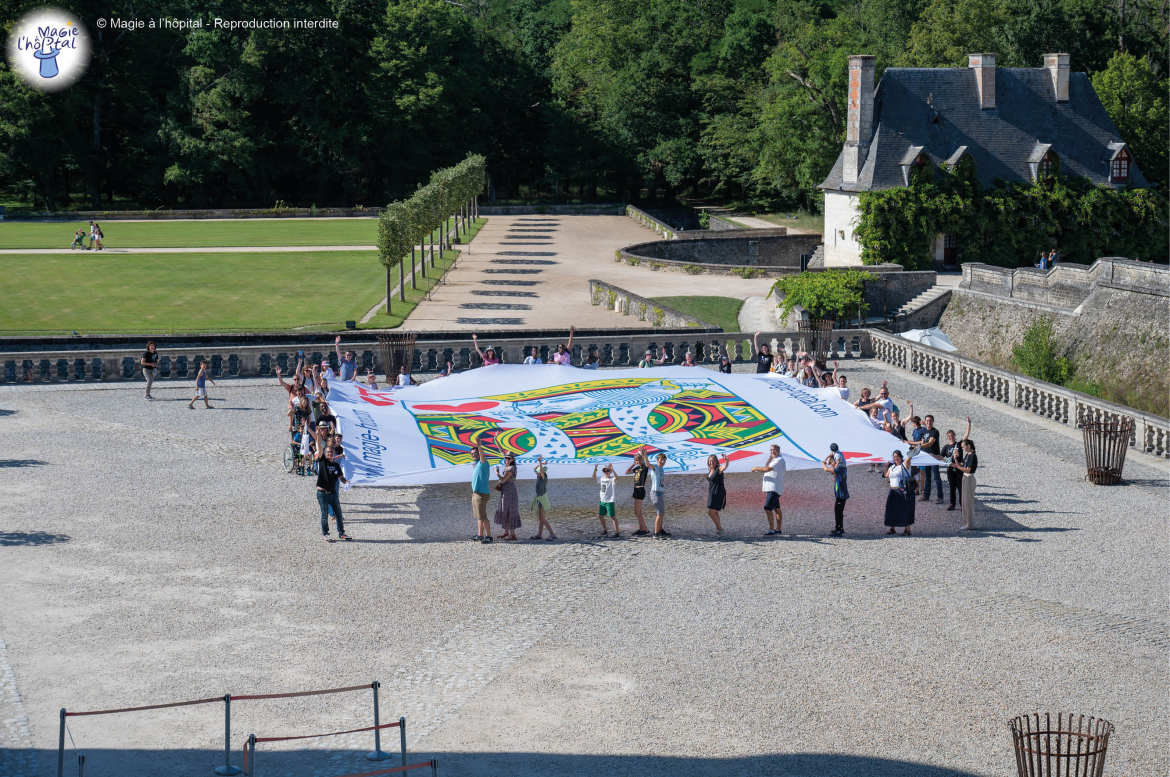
(744, 252)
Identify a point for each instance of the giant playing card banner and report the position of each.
(577, 418)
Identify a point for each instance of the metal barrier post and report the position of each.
(252, 754)
(377, 755)
(402, 737)
(227, 767)
(81, 765)
(434, 768)
(61, 747)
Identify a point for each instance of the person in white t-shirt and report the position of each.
(404, 377)
(607, 508)
(534, 357)
(773, 487)
(883, 402)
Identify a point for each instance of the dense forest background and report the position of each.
(737, 99)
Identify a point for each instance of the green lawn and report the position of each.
(196, 234)
(159, 293)
(94, 292)
(813, 222)
(720, 311)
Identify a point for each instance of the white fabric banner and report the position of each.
(576, 418)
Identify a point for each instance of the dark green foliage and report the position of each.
(833, 294)
(1039, 355)
(1010, 224)
(738, 99)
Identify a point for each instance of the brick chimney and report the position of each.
(1057, 67)
(859, 124)
(984, 67)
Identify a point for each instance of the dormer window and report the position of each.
(915, 165)
(1046, 167)
(1119, 167)
(1042, 162)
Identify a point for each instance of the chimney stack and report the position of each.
(1057, 67)
(859, 123)
(984, 67)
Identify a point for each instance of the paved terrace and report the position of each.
(154, 553)
(522, 270)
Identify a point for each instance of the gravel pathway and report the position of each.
(157, 553)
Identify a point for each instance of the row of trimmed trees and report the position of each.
(423, 223)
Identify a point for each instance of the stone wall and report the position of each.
(1116, 338)
(748, 248)
(717, 224)
(581, 209)
(892, 290)
(630, 304)
(1066, 285)
(841, 249)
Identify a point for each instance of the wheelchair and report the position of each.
(294, 462)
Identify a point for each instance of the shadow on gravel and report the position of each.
(11, 463)
(4, 412)
(13, 538)
(180, 763)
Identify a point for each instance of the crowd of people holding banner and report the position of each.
(314, 427)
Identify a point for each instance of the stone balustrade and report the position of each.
(429, 356)
(1055, 403)
(1151, 433)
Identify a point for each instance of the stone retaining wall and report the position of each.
(1066, 285)
(892, 290)
(630, 304)
(719, 224)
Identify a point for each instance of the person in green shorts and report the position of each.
(606, 508)
(540, 502)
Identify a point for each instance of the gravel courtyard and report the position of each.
(152, 553)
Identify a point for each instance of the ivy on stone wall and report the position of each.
(1011, 223)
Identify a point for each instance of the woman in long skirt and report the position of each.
(508, 511)
(716, 491)
(967, 493)
(900, 499)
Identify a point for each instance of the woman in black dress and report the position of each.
(716, 492)
(639, 471)
(900, 499)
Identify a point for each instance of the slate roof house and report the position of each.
(1018, 124)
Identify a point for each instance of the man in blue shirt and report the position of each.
(836, 467)
(481, 473)
(348, 365)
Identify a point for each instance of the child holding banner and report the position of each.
(606, 507)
